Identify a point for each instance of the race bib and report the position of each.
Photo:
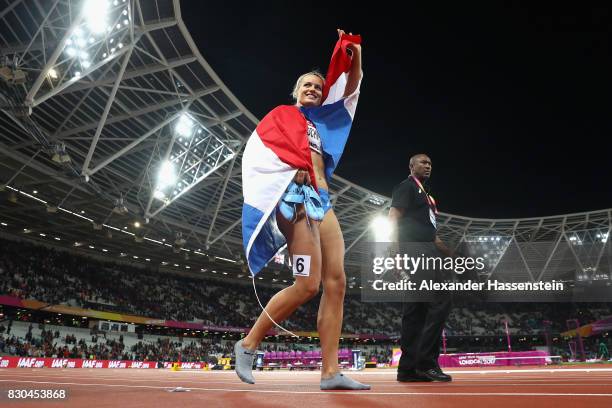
(301, 265)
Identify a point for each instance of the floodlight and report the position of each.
(166, 175)
(184, 126)
(382, 228)
(96, 13)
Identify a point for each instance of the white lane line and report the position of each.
(385, 372)
(510, 371)
(569, 381)
(294, 382)
(361, 393)
(262, 377)
(393, 371)
(380, 372)
(100, 372)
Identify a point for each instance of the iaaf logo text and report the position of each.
(59, 362)
(92, 364)
(4, 363)
(139, 364)
(30, 362)
(116, 364)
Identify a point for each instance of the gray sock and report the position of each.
(342, 382)
(244, 363)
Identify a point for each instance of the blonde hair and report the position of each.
(296, 87)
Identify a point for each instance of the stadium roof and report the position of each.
(106, 125)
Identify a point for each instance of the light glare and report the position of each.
(166, 175)
(382, 229)
(96, 12)
(184, 126)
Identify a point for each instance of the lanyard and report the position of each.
(430, 199)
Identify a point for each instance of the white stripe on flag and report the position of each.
(264, 180)
(336, 91)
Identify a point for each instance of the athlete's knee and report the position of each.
(307, 288)
(335, 283)
(311, 289)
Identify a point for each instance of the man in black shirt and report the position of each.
(413, 213)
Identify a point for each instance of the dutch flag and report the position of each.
(279, 147)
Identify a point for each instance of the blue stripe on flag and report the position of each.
(333, 123)
(268, 241)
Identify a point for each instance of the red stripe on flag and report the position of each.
(283, 130)
(340, 61)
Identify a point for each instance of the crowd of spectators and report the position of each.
(58, 277)
(50, 344)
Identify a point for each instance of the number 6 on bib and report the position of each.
(301, 265)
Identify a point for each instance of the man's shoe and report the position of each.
(411, 376)
(435, 374)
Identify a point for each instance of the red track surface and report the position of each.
(531, 387)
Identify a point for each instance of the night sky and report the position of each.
(511, 102)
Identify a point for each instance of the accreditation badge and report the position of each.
(432, 218)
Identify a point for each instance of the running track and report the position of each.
(530, 387)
